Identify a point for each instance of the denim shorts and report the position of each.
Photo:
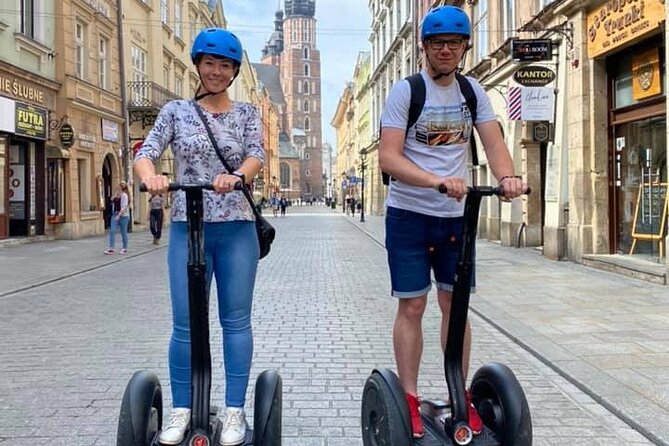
(418, 245)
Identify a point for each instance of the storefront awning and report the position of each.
(56, 152)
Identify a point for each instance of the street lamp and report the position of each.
(363, 167)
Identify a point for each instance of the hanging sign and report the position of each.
(66, 134)
(528, 50)
(533, 76)
(30, 121)
(531, 103)
(617, 22)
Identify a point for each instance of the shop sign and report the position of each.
(87, 141)
(531, 103)
(109, 130)
(30, 121)
(617, 22)
(534, 76)
(20, 90)
(66, 134)
(542, 132)
(529, 50)
(646, 79)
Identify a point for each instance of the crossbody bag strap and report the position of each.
(227, 166)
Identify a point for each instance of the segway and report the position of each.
(495, 391)
(140, 421)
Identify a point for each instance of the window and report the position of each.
(166, 76)
(163, 11)
(103, 52)
(84, 171)
(28, 18)
(178, 86)
(79, 49)
(306, 53)
(481, 28)
(178, 4)
(306, 69)
(306, 87)
(306, 105)
(55, 200)
(193, 31)
(139, 94)
(299, 87)
(307, 123)
(510, 18)
(398, 8)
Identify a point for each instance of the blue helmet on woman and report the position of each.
(445, 20)
(217, 42)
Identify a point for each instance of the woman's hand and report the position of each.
(156, 184)
(225, 183)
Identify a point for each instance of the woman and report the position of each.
(119, 218)
(231, 243)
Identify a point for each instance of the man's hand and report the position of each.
(513, 187)
(456, 187)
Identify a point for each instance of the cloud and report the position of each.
(342, 31)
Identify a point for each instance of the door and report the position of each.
(639, 155)
(18, 190)
(4, 199)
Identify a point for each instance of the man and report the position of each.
(423, 226)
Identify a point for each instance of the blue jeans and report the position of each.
(231, 253)
(114, 224)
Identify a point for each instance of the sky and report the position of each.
(342, 31)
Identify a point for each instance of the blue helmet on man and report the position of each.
(445, 20)
(217, 42)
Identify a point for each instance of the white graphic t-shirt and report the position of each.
(437, 143)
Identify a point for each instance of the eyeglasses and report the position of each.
(438, 44)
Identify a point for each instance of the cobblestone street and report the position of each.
(322, 317)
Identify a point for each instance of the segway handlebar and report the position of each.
(484, 190)
(204, 185)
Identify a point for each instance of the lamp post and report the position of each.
(363, 167)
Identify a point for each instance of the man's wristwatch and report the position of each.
(239, 175)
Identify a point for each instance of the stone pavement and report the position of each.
(323, 317)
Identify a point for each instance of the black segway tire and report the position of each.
(141, 415)
(502, 405)
(385, 415)
(267, 409)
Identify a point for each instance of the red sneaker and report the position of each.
(475, 421)
(416, 423)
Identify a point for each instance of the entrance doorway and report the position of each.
(639, 156)
(19, 189)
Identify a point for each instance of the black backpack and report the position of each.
(417, 84)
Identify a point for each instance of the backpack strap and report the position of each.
(472, 104)
(417, 84)
(417, 101)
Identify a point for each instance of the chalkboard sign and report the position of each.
(651, 212)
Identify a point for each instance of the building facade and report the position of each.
(28, 107)
(293, 49)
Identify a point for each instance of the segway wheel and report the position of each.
(384, 413)
(141, 415)
(501, 403)
(267, 409)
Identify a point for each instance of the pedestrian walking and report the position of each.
(423, 226)
(156, 216)
(231, 246)
(283, 204)
(119, 219)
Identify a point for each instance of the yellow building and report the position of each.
(344, 124)
(158, 69)
(365, 142)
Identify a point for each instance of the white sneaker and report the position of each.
(179, 423)
(234, 427)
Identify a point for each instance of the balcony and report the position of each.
(145, 99)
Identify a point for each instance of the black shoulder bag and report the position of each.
(265, 230)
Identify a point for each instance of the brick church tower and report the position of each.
(293, 49)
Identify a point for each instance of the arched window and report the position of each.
(299, 87)
(306, 69)
(306, 87)
(307, 123)
(306, 105)
(284, 174)
(306, 52)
